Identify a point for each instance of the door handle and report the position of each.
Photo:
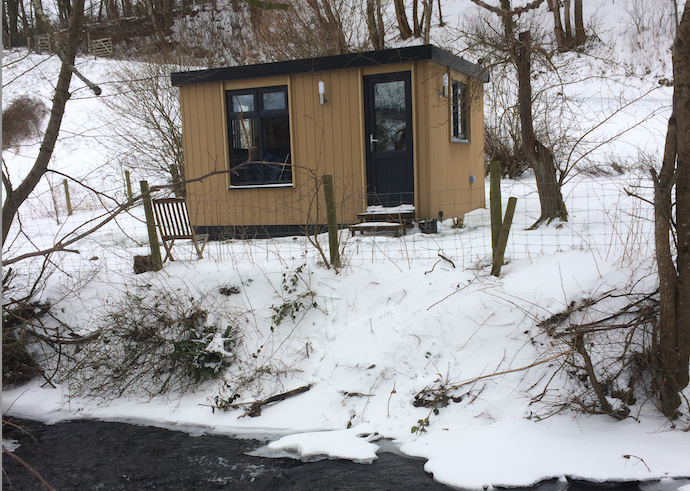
(372, 140)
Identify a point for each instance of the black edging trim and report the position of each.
(335, 62)
(225, 232)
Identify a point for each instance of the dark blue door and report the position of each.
(388, 127)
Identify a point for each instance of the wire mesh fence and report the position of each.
(611, 217)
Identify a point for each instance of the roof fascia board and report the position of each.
(328, 63)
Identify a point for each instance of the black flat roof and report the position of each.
(335, 62)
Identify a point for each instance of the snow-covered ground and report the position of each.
(403, 315)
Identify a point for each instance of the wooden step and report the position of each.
(396, 227)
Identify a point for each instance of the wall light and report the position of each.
(445, 86)
(322, 93)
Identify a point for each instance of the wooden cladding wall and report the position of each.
(444, 166)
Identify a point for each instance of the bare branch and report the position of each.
(47, 486)
(507, 13)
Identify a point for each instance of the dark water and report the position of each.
(95, 455)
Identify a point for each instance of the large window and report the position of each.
(459, 111)
(259, 136)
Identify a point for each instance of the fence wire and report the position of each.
(609, 216)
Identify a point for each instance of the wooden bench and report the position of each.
(173, 223)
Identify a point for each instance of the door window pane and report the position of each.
(389, 112)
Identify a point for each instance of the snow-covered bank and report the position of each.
(412, 341)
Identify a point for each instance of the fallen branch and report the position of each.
(513, 370)
(255, 407)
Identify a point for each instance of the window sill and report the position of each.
(262, 186)
(459, 140)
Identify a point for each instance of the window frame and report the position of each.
(257, 115)
(459, 112)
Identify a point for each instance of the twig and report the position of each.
(448, 296)
(513, 370)
(31, 469)
(388, 405)
(446, 259)
(638, 458)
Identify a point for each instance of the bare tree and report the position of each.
(539, 157)
(566, 37)
(377, 33)
(673, 353)
(401, 15)
(148, 127)
(15, 196)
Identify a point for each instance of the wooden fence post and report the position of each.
(495, 203)
(503, 238)
(332, 221)
(67, 199)
(128, 187)
(156, 260)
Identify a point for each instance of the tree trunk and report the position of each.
(14, 198)
(540, 158)
(568, 24)
(372, 24)
(12, 19)
(417, 28)
(379, 24)
(403, 24)
(673, 356)
(428, 8)
(558, 27)
(580, 34)
(441, 22)
(681, 104)
(335, 30)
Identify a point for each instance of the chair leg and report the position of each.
(200, 251)
(168, 250)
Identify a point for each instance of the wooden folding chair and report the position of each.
(173, 223)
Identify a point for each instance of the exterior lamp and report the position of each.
(322, 93)
(445, 85)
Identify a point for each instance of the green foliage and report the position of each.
(421, 426)
(291, 307)
(202, 360)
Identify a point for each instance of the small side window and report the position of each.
(459, 116)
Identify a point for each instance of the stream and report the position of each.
(96, 455)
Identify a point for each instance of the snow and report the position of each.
(404, 314)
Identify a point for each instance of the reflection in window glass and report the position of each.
(242, 134)
(243, 103)
(390, 116)
(273, 101)
(259, 135)
(459, 110)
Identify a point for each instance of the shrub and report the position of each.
(21, 120)
(151, 344)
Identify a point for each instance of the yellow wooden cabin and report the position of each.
(393, 127)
